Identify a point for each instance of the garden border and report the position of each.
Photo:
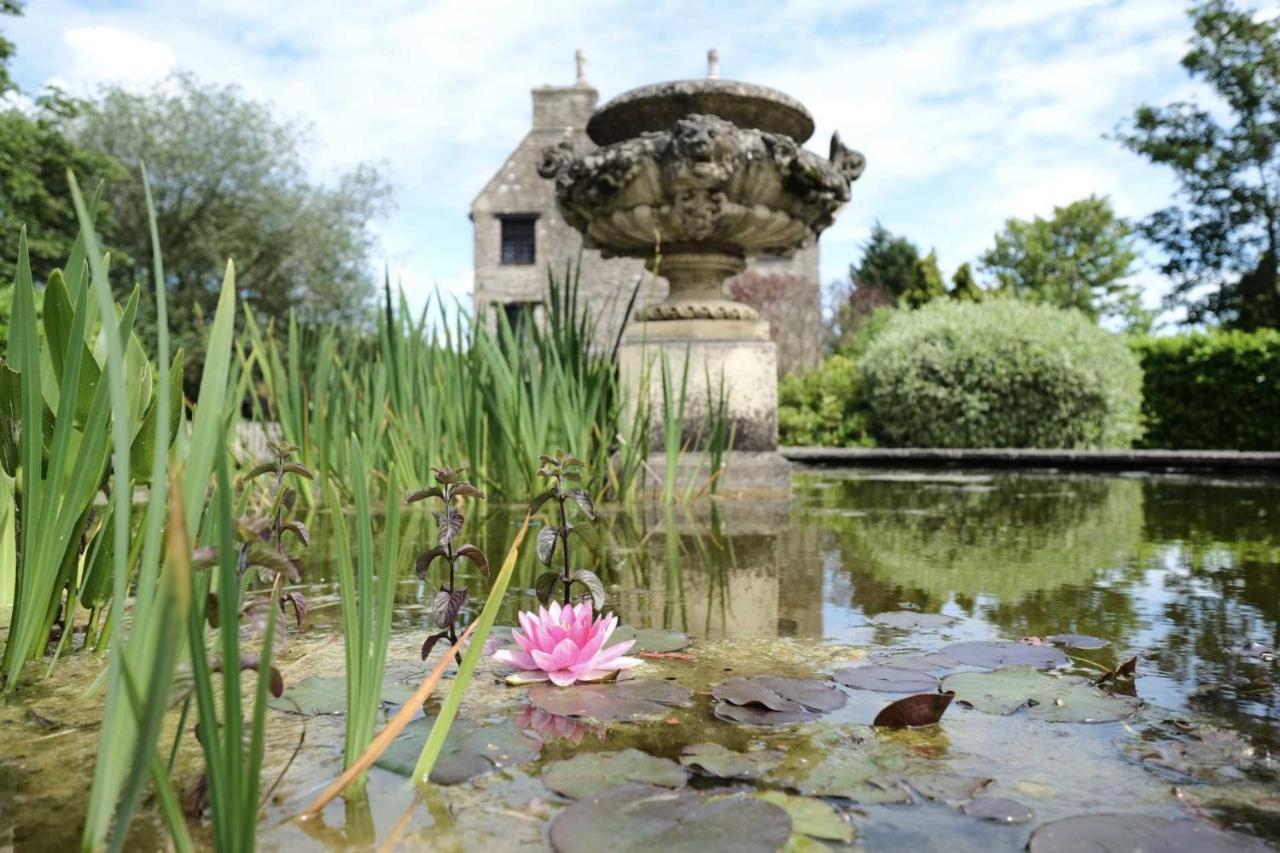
(1154, 461)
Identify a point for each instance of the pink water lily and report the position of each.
(565, 645)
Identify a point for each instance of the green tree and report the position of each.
(928, 282)
(889, 262)
(35, 154)
(964, 286)
(1222, 239)
(1079, 258)
(229, 181)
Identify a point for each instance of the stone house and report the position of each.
(520, 235)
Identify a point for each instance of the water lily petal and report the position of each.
(515, 657)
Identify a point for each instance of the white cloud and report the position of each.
(969, 111)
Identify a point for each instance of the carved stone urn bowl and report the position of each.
(695, 176)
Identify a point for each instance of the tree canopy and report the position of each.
(228, 180)
(1081, 257)
(1222, 239)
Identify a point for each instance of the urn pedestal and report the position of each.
(731, 374)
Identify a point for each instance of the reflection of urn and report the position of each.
(695, 176)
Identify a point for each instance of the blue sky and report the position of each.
(969, 111)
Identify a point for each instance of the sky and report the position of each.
(968, 111)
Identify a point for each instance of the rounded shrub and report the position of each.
(1000, 373)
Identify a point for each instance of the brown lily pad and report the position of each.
(623, 700)
(1137, 832)
(929, 662)
(757, 715)
(995, 655)
(998, 809)
(923, 709)
(886, 679)
(644, 817)
(768, 700)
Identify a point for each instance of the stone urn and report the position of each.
(696, 176)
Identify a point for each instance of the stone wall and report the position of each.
(789, 298)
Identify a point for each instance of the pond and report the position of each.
(1181, 573)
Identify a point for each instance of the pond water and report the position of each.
(1182, 573)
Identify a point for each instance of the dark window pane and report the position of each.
(518, 240)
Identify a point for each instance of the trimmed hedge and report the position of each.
(821, 408)
(1211, 390)
(1000, 373)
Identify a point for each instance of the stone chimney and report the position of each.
(562, 107)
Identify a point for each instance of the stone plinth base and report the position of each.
(745, 472)
(734, 355)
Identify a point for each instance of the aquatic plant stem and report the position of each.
(389, 733)
(567, 578)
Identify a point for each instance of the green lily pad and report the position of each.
(712, 759)
(590, 772)
(328, 695)
(648, 818)
(1137, 832)
(472, 749)
(622, 700)
(1077, 641)
(910, 619)
(1063, 699)
(995, 655)
(833, 764)
(650, 639)
(811, 817)
(948, 787)
(886, 679)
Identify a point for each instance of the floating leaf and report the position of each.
(780, 694)
(1064, 699)
(923, 709)
(713, 759)
(593, 584)
(1077, 641)
(547, 538)
(1137, 832)
(650, 639)
(999, 809)
(756, 715)
(748, 691)
(471, 750)
(994, 655)
(1207, 754)
(948, 788)
(328, 695)
(591, 772)
(835, 764)
(886, 679)
(910, 619)
(644, 817)
(475, 555)
(1128, 669)
(623, 700)
(930, 662)
(811, 817)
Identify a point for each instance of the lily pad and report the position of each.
(910, 619)
(756, 715)
(886, 679)
(713, 759)
(780, 694)
(995, 655)
(328, 695)
(1078, 641)
(590, 772)
(1063, 699)
(923, 709)
(1208, 754)
(811, 817)
(999, 809)
(623, 700)
(471, 750)
(650, 639)
(948, 787)
(1137, 832)
(644, 817)
(749, 691)
(931, 662)
(835, 764)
